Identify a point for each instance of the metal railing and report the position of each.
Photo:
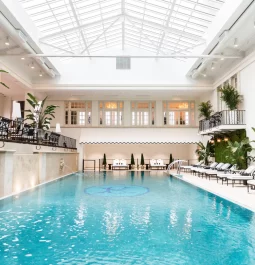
(100, 166)
(20, 132)
(225, 117)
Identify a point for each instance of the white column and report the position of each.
(159, 113)
(80, 150)
(6, 173)
(95, 113)
(127, 113)
(2, 99)
(7, 109)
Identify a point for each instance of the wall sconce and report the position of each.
(218, 140)
(58, 129)
(226, 139)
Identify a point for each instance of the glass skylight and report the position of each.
(86, 26)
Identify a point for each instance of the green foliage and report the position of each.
(223, 151)
(3, 84)
(40, 116)
(104, 161)
(238, 152)
(142, 160)
(205, 109)
(230, 96)
(205, 152)
(132, 160)
(171, 160)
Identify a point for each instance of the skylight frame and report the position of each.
(161, 26)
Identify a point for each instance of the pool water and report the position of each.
(124, 218)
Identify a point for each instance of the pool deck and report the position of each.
(237, 194)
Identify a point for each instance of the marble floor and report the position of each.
(237, 194)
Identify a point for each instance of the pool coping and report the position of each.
(38, 185)
(211, 191)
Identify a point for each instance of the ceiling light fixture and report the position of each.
(32, 66)
(235, 43)
(22, 58)
(40, 74)
(222, 58)
(7, 42)
(212, 66)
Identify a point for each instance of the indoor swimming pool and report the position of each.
(124, 218)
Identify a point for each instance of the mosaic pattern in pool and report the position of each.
(174, 223)
(116, 191)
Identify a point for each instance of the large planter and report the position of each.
(132, 166)
(40, 135)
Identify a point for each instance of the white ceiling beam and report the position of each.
(123, 23)
(166, 29)
(79, 25)
(100, 35)
(78, 28)
(170, 10)
(145, 36)
(216, 56)
(55, 47)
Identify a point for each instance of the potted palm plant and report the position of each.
(132, 162)
(205, 152)
(232, 99)
(142, 161)
(104, 161)
(205, 109)
(40, 115)
(3, 84)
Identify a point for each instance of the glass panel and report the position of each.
(111, 105)
(82, 117)
(73, 117)
(66, 117)
(89, 117)
(178, 105)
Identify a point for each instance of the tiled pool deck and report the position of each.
(237, 194)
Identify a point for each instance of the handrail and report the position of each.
(225, 117)
(18, 131)
(179, 163)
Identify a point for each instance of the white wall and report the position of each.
(1, 105)
(150, 151)
(247, 87)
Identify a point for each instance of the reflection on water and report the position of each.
(173, 223)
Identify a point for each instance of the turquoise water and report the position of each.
(124, 218)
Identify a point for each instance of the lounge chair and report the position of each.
(202, 172)
(120, 164)
(188, 168)
(243, 176)
(213, 173)
(158, 164)
(195, 170)
(250, 185)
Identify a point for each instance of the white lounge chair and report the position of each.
(120, 164)
(213, 173)
(157, 164)
(198, 169)
(188, 168)
(245, 176)
(250, 185)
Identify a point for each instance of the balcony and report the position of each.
(223, 121)
(18, 131)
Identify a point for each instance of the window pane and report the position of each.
(82, 118)
(73, 117)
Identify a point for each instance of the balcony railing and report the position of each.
(225, 117)
(20, 132)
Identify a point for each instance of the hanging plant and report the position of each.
(230, 96)
(205, 109)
